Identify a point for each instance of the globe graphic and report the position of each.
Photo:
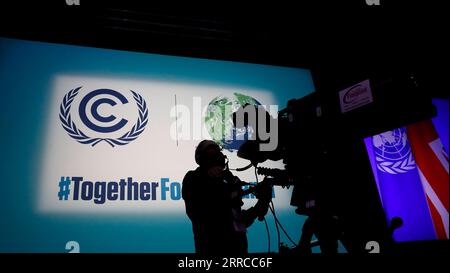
(219, 120)
(392, 145)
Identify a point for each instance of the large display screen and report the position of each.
(95, 144)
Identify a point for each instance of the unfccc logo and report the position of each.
(104, 124)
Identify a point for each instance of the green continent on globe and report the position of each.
(219, 119)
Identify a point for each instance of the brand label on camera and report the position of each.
(355, 96)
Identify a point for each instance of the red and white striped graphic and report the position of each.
(432, 164)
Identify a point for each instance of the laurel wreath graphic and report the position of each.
(77, 134)
(396, 167)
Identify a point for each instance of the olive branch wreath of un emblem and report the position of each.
(77, 134)
(396, 167)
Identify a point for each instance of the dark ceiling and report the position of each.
(337, 39)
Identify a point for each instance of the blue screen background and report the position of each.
(27, 70)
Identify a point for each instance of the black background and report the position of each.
(342, 42)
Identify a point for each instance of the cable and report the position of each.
(265, 221)
(276, 225)
(242, 168)
(279, 223)
(268, 234)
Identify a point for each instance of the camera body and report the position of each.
(325, 159)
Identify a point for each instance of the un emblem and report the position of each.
(88, 109)
(393, 152)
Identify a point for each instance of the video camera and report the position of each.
(310, 129)
(318, 135)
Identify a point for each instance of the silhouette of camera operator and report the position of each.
(213, 199)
